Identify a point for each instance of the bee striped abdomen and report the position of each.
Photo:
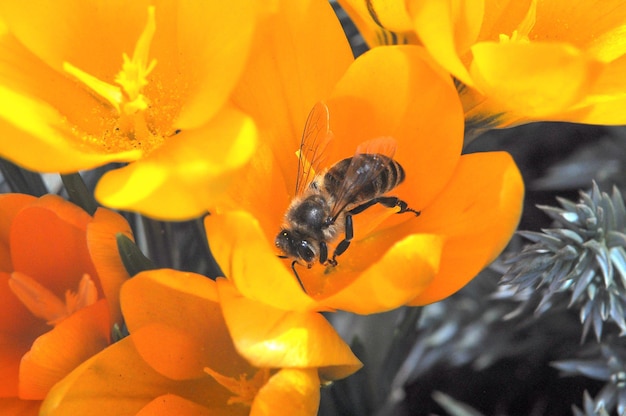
(389, 175)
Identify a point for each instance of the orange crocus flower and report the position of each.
(86, 83)
(183, 357)
(469, 204)
(517, 61)
(61, 277)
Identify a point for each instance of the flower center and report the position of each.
(133, 125)
(523, 29)
(244, 390)
(44, 304)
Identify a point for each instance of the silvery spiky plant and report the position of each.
(581, 260)
(590, 408)
(605, 362)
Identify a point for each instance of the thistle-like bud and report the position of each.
(583, 257)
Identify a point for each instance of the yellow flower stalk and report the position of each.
(85, 83)
(516, 61)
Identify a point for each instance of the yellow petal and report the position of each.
(604, 103)
(380, 22)
(293, 65)
(187, 175)
(447, 29)
(503, 17)
(377, 97)
(270, 337)
(389, 14)
(399, 276)
(86, 24)
(533, 80)
(478, 212)
(214, 39)
(171, 404)
(288, 392)
(237, 243)
(36, 136)
(183, 306)
(115, 382)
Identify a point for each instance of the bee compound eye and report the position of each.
(305, 252)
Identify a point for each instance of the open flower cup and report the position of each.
(61, 275)
(517, 61)
(183, 358)
(86, 83)
(470, 204)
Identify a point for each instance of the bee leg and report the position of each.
(345, 243)
(293, 267)
(386, 201)
(323, 252)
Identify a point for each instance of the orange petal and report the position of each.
(270, 337)
(404, 271)
(18, 407)
(265, 174)
(187, 175)
(36, 26)
(376, 97)
(478, 212)
(170, 404)
(288, 392)
(505, 16)
(16, 321)
(293, 65)
(48, 243)
(533, 80)
(42, 303)
(102, 245)
(237, 242)
(67, 211)
(10, 205)
(175, 353)
(55, 354)
(447, 29)
(12, 349)
(185, 306)
(114, 382)
(599, 26)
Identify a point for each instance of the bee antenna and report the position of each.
(293, 267)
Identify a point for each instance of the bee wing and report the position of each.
(357, 177)
(315, 138)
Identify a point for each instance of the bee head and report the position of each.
(296, 246)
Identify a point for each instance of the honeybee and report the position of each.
(326, 200)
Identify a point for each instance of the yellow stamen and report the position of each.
(44, 304)
(112, 94)
(134, 73)
(526, 25)
(243, 389)
(126, 95)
